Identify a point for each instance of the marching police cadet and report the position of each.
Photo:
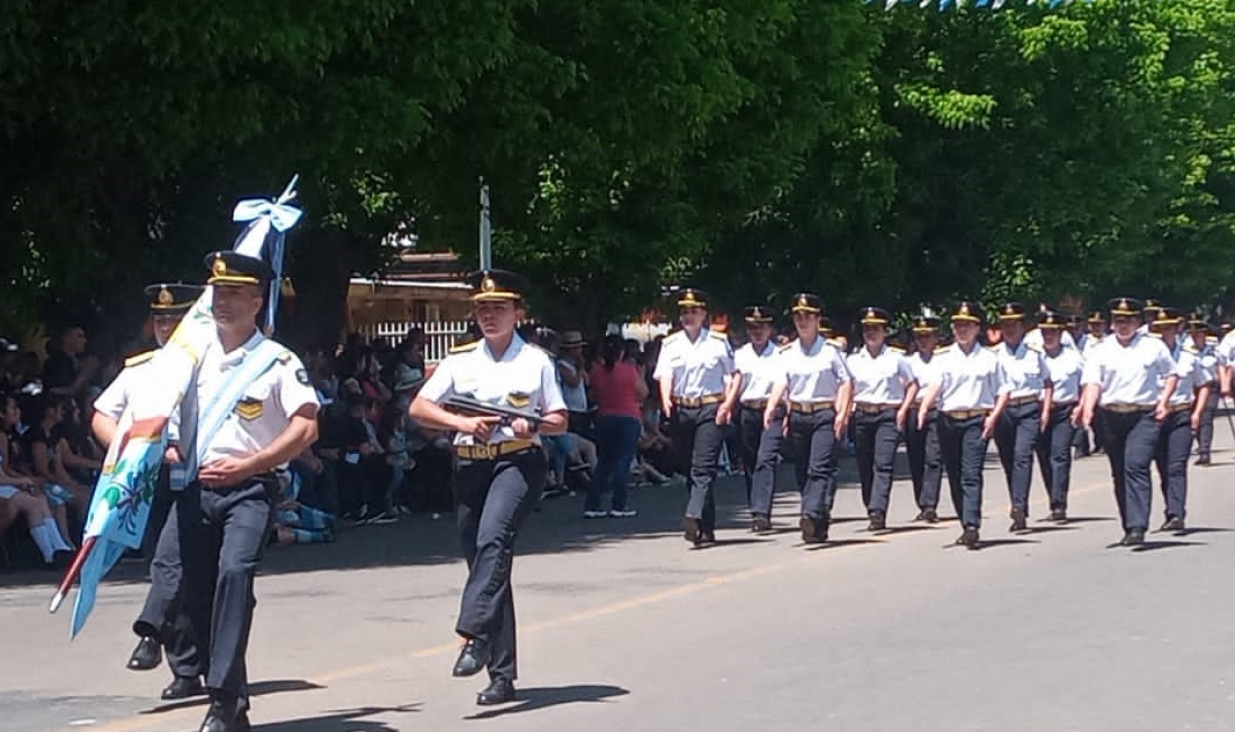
(1121, 381)
(698, 386)
(1055, 446)
(1096, 323)
(163, 623)
(1034, 336)
(972, 393)
(884, 388)
(500, 468)
(224, 514)
(811, 373)
(1204, 348)
(1183, 417)
(922, 444)
(760, 446)
(1030, 397)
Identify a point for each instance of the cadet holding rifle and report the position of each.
(500, 467)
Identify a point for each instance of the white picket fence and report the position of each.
(440, 335)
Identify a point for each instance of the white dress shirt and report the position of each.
(1131, 374)
(971, 380)
(1024, 369)
(1066, 368)
(524, 377)
(698, 367)
(812, 374)
(881, 379)
(758, 371)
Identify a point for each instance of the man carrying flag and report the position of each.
(162, 623)
(255, 410)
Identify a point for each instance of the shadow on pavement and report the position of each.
(530, 700)
(1201, 530)
(344, 720)
(259, 688)
(1154, 545)
(996, 543)
(837, 544)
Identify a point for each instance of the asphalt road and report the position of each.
(625, 627)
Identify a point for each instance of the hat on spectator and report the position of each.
(497, 284)
(171, 298)
(571, 339)
(229, 267)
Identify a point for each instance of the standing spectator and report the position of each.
(573, 376)
(407, 372)
(68, 372)
(620, 389)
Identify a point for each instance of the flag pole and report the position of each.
(486, 228)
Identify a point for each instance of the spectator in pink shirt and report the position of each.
(619, 389)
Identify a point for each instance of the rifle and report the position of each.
(472, 406)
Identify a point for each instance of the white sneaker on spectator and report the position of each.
(623, 513)
(594, 514)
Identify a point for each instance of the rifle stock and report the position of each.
(469, 405)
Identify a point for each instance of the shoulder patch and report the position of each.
(138, 359)
(464, 348)
(284, 357)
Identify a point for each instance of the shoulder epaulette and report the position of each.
(994, 348)
(1152, 334)
(465, 347)
(675, 335)
(1211, 340)
(138, 359)
(1190, 348)
(786, 347)
(836, 342)
(1034, 347)
(717, 334)
(941, 349)
(284, 357)
(897, 348)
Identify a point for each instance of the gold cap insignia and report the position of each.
(964, 309)
(758, 313)
(1123, 303)
(165, 296)
(803, 302)
(487, 284)
(219, 268)
(1009, 310)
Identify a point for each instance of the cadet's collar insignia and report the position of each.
(219, 268)
(519, 400)
(487, 284)
(165, 296)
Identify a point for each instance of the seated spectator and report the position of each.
(394, 439)
(22, 495)
(407, 372)
(46, 463)
(82, 457)
(295, 522)
(68, 371)
(361, 376)
(429, 480)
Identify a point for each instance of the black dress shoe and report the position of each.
(225, 718)
(499, 691)
(690, 529)
(968, 538)
(1059, 515)
(879, 522)
(183, 687)
(1173, 523)
(1203, 461)
(473, 658)
(814, 531)
(147, 655)
(1018, 521)
(1133, 537)
(930, 516)
(761, 524)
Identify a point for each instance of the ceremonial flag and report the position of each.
(120, 506)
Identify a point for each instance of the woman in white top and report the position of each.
(971, 396)
(1055, 446)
